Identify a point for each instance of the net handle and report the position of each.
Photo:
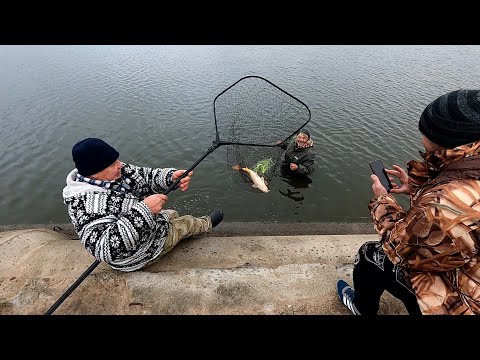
(216, 144)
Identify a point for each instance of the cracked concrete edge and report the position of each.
(227, 229)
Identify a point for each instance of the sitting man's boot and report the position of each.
(217, 217)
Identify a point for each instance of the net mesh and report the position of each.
(254, 116)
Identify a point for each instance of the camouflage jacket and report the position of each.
(437, 240)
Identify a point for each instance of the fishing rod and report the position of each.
(252, 113)
(97, 262)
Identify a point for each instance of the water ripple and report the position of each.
(155, 105)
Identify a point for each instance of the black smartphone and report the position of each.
(379, 170)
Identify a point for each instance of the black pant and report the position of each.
(373, 273)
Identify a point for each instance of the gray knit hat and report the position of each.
(452, 119)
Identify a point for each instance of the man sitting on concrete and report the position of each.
(117, 208)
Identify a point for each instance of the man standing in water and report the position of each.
(298, 163)
(299, 157)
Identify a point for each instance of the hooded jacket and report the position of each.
(116, 227)
(303, 157)
(437, 241)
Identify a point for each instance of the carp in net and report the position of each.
(254, 116)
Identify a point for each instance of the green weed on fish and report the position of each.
(263, 166)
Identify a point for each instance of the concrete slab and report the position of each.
(205, 275)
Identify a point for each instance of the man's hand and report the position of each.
(185, 181)
(402, 177)
(377, 186)
(293, 167)
(155, 202)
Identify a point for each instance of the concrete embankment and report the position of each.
(239, 268)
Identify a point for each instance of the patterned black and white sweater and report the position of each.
(117, 227)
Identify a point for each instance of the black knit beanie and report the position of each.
(452, 119)
(93, 155)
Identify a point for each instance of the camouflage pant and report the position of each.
(184, 226)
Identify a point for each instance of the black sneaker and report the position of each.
(217, 217)
(346, 295)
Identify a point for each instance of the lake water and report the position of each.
(154, 104)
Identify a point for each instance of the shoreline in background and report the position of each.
(227, 229)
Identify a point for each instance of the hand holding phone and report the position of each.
(379, 170)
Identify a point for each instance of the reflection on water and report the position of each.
(295, 184)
